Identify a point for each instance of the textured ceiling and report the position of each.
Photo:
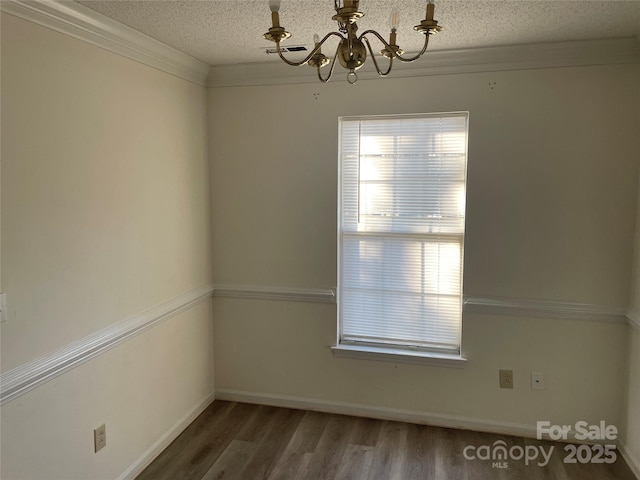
(226, 32)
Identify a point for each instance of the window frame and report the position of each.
(391, 352)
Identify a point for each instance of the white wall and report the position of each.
(105, 213)
(552, 184)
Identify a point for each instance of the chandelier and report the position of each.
(352, 48)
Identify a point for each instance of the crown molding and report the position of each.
(287, 294)
(443, 62)
(28, 376)
(81, 22)
(544, 308)
(78, 21)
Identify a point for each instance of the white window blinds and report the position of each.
(402, 198)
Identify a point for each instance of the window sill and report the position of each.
(398, 356)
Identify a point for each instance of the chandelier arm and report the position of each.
(333, 64)
(412, 59)
(375, 62)
(390, 48)
(313, 52)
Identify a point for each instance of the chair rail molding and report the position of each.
(83, 23)
(261, 292)
(633, 316)
(488, 305)
(30, 375)
(523, 307)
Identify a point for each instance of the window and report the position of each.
(401, 232)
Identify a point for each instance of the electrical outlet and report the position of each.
(506, 378)
(100, 437)
(537, 381)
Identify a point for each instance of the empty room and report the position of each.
(300, 239)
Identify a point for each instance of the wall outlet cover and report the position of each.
(506, 378)
(3, 307)
(100, 437)
(537, 381)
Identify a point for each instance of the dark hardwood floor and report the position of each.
(249, 442)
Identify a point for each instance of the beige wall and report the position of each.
(551, 201)
(140, 390)
(631, 438)
(632, 426)
(105, 213)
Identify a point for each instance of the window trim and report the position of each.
(397, 355)
(392, 353)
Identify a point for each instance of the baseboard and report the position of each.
(165, 440)
(384, 413)
(632, 462)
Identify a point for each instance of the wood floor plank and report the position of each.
(538, 470)
(216, 442)
(309, 432)
(293, 462)
(365, 431)
(356, 462)
(419, 453)
(257, 423)
(331, 447)
(521, 469)
(231, 462)
(390, 451)
(449, 462)
(187, 443)
(282, 427)
(459, 466)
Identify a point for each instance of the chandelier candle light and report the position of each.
(351, 51)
